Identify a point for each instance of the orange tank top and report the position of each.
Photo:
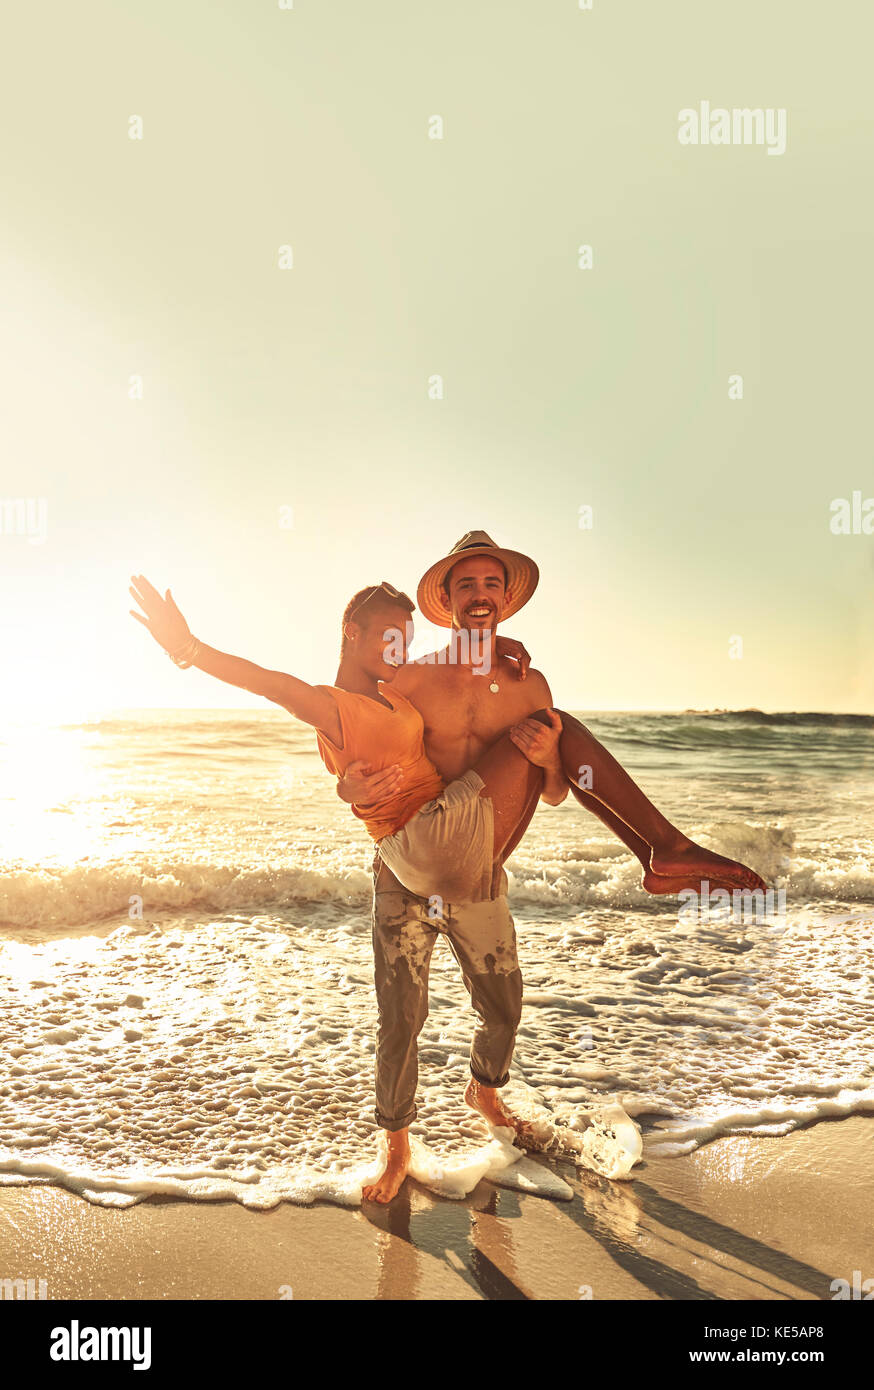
(381, 737)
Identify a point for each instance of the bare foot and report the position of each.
(690, 865)
(659, 884)
(486, 1101)
(397, 1164)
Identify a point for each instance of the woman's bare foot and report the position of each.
(658, 884)
(486, 1101)
(397, 1164)
(688, 865)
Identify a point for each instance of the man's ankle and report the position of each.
(480, 1087)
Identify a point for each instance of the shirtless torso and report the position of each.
(463, 717)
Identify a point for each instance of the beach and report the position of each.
(741, 1218)
(531, 310)
(187, 1026)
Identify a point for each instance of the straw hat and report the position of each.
(522, 576)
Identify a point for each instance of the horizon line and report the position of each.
(267, 708)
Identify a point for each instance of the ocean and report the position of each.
(186, 999)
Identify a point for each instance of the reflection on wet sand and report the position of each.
(651, 1238)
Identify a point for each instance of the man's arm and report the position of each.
(555, 786)
(361, 786)
(539, 742)
(536, 739)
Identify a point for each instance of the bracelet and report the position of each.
(185, 655)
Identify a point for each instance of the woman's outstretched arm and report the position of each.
(170, 630)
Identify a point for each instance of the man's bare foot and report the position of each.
(397, 1164)
(688, 865)
(486, 1101)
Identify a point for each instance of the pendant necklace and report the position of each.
(494, 687)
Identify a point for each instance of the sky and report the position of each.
(709, 576)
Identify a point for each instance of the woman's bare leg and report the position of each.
(638, 846)
(672, 863)
(676, 862)
(653, 883)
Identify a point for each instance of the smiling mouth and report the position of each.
(479, 612)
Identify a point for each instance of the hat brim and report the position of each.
(522, 579)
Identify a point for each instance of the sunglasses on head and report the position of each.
(388, 589)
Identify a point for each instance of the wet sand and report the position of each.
(741, 1218)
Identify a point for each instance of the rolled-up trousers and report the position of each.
(482, 938)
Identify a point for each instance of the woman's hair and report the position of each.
(367, 602)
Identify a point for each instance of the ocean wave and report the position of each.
(77, 896)
(271, 723)
(82, 894)
(789, 717)
(833, 739)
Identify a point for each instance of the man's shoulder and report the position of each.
(536, 683)
(406, 676)
(425, 669)
(409, 678)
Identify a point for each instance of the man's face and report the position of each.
(477, 596)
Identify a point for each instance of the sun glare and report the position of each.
(48, 777)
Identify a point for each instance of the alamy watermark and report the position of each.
(465, 648)
(860, 1290)
(852, 516)
(75, 1343)
(737, 906)
(24, 516)
(23, 1288)
(742, 125)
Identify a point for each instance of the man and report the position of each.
(465, 711)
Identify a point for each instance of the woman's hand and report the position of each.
(168, 627)
(509, 647)
(163, 619)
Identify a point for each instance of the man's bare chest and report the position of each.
(461, 704)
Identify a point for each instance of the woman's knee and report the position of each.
(568, 720)
(541, 715)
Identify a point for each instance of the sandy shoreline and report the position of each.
(741, 1218)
